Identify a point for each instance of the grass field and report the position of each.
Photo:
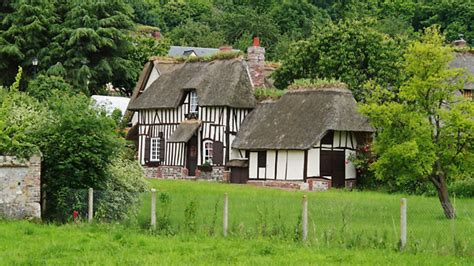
(345, 228)
(337, 218)
(30, 244)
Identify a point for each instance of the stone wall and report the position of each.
(318, 184)
(216, 174)
(166, 172)
(20, 182)
(297, 185)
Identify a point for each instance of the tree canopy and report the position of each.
(425, 130)
(93, 42)
(351, 51)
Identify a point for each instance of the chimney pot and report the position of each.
(156, 35)
(256, 63)
(256, 42)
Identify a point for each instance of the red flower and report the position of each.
(75, 215)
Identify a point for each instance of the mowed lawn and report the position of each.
(345, 228)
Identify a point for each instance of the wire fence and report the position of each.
(371, 220)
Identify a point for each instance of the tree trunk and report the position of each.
(443, 196)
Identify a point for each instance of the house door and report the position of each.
(192, 155)
(239, 175)
(333, 164)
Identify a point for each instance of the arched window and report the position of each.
(208, 151)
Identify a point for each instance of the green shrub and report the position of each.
(122, 190)
(462, 188)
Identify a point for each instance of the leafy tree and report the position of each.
(145, 12)
(26, 35)
(78, 145)
(351, 51)
(94, 41)
(44, 86)
(425, 131)
(241, 25)
(296, 18)
(455, 18)
(196, 34)
(87, 43)
(175, 13)
(20, 117)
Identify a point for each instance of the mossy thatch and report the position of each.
(314, 84)
(263, 94)
(192, 59)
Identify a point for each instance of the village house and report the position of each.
(186, 114)
(308, 135)
(200, 119)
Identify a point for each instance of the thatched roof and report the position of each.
(241, 163)
(217, 83)
(466, 61)
(185, 131)
(300, 119)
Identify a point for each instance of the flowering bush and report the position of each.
(363, 160)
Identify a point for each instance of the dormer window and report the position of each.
(193, 102)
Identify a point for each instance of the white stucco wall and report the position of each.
(281, 165)
(234, 153)
(153, 76)
(295, 166)
(253, 166)
(271, 156)
(350, 168)
(313, 162)
(261, 172)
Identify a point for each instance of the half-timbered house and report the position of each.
(185, 115)
(307, 135)
(189, 116)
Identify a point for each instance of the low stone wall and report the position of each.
(300, 185)
(166, 172)
(216, 174)
(318, 184)
(20, 187)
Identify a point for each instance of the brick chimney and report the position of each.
(256, 63)
(156, 35)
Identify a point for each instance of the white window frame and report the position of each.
(193, 102)
(155, 149)
(208, 152)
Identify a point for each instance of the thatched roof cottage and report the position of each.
(307, 134)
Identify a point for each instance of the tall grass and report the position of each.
(336, 218)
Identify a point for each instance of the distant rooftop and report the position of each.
(110, 103)
(198, 51)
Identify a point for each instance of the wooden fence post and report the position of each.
(225, 219)
(91, 204)
(304, 219)
(403, 223)
(153, 209)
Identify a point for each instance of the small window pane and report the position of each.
(193, 102)
(155, 149)
(208, 151)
